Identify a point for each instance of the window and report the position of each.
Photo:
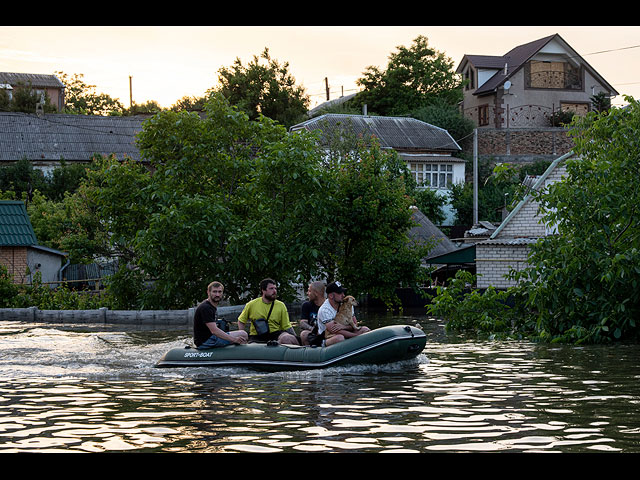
(483, 115)
(553, 75)
(469, 75)
(580, 109)
(433, 175)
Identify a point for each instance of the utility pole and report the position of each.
(475, 176)
(326, 86)
(130, 93)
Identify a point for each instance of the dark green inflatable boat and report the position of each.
(382, 345)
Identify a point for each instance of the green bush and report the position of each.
(486, 314)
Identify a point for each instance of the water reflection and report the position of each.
(94, 389)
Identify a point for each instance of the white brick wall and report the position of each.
(495, 260)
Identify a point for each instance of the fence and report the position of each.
(178, 318)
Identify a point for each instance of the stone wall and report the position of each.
(519, 144)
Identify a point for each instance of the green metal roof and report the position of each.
(465, 254)
(15, 226)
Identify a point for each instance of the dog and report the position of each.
(345, 314)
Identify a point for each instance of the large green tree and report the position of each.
(372, 216)
(82, 99)
(229, 198)
(583, 282)
(264, 87)
(224, 197)
(414, 77)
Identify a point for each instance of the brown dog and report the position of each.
(345, 314)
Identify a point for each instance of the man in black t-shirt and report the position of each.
(206, 326)
(309, 314)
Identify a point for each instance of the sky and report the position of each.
(167, 63)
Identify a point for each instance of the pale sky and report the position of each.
(167, 63)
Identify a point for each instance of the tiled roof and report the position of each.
(73, 137)
(392, 132)
(15, 226)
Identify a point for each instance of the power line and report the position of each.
(613, 50)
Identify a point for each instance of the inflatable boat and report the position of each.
(379, 346)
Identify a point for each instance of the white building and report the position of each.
(427, 149)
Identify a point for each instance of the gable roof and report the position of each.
(15, 226)
(536, 186)
(515, 59)
(424, 231)
(50, 137)
(35, 79)
(392, 132)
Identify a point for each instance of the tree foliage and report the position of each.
(263, 87)
(220, 196)
(414, 77)
(82, 99)
(583, 282)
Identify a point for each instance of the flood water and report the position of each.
(94, 388)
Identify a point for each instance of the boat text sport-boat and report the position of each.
(383, 345)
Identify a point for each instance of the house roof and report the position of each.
(536, 186)
(425, 231)
(331, 103)
(515, 59)
(392, 132)
(35, 79)
(50, 137)
(15, 226)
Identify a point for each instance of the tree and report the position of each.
(26, 99)
(369, 249)
(601, 102)
(150, 107)
(81, 98)
(231, 199)
(263, 87)
(445, 115)
(414, 77)
(583, 282)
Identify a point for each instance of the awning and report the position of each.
(461, 255)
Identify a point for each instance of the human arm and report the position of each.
(218, 332)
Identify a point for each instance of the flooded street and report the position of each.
(94, 388)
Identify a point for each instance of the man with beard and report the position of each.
(327, 313)
(269, 311)
(208, 330)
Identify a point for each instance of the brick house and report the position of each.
(508, 245)
(49, 84)
(514, 98)
(19, 249)
(427, 149)
(525, 86)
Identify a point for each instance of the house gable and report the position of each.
(528, 85)
(508, 246)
